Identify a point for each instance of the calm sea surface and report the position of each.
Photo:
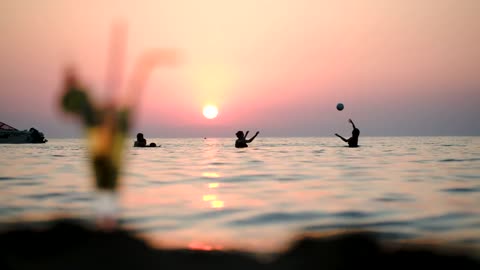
(207, 194)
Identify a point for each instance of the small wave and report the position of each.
(288, 178)
(393, 200)
(46, 195)
(468, 176)
(394, 197)
(461, 190)
(208, 215)
(217, 163)
(435, 227)
(277, 217)
(26, 183)
(283, 217)
(255, 161)
(449, 145)
(10, 210)
(444, 217)
(352, 214)
(459, 160)
(80, 198)
(421, 161)
(7, 178)
(248, 178)
(351, 226)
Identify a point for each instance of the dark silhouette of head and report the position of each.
(139, 136)
(240, 134)
(355, 132)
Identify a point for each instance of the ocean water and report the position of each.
(204, 193)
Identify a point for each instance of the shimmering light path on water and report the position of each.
(204, 193)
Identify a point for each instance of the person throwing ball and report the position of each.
(352, 141)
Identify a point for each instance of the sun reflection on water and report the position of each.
(212, 198)
(209, 197)
(210, 175)
(217, 204)
(213, 185)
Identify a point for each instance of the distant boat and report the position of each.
(9, 134)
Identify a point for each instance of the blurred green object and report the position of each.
(107, 125)
(106, 129)
(77, 101)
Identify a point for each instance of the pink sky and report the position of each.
(400, 67)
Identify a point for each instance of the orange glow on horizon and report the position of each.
(204, 247)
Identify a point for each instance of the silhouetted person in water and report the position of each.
(242, 141)
(352, 141)
(141, 142)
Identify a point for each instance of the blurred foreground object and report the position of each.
(107, 125)
(68, 245)
(106, 128)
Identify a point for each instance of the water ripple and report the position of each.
(395, 197)
(194, 189)
(43, 196)
(365, 225)
(461, 190)
(7, 178)
(459, 160)
(277, 217)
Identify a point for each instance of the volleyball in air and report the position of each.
(339, 106)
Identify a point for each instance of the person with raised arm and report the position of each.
(352, 141)
(242, 140)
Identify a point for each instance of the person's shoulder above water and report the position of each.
(240, 143)
(138, 144)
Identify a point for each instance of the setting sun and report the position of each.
(210, 111)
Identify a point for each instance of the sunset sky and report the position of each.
(400, 67)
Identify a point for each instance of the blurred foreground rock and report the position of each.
(69, 245)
